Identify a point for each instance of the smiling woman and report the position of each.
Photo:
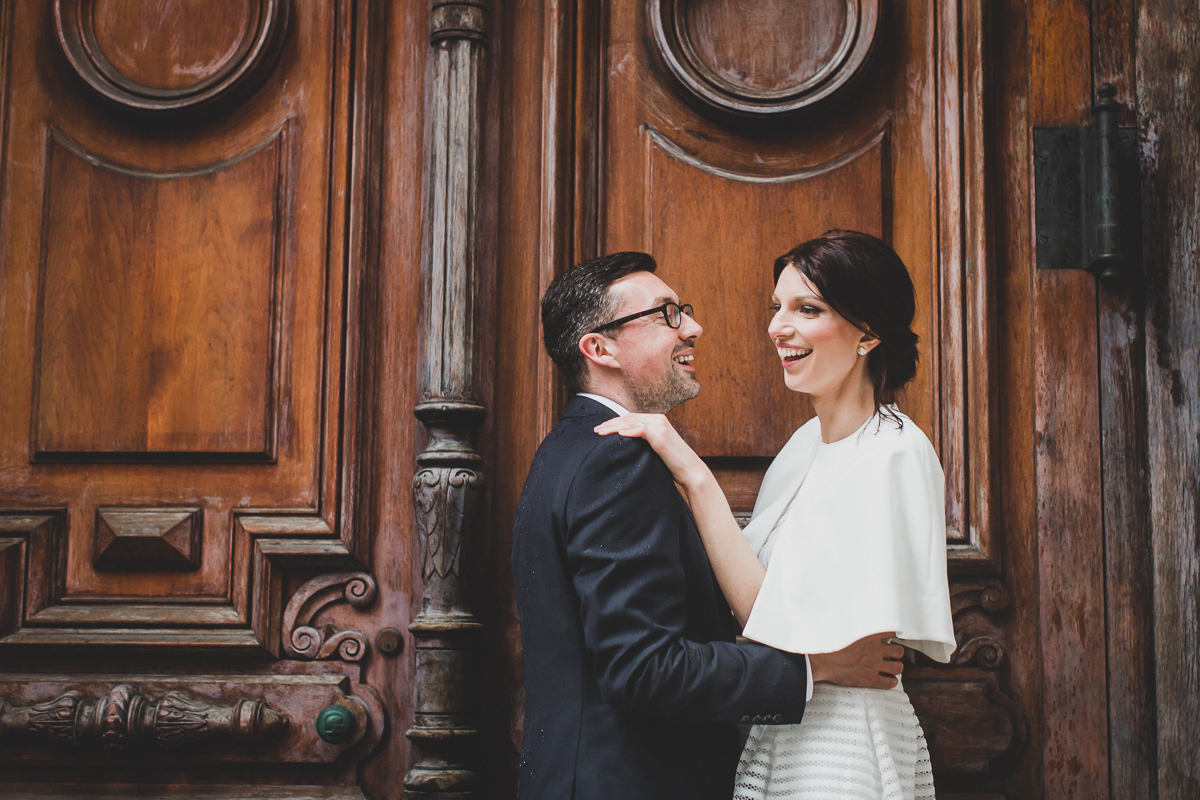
(844, 302)
(848, 534)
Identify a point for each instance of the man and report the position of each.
(634, 684)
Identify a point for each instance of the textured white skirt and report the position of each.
(853, 744)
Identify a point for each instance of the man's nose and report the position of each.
(689, 328)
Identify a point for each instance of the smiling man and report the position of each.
(634, 684)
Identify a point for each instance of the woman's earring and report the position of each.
(862, 351)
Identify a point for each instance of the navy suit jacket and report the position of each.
(633, 683)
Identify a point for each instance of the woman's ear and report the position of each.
(867, 343)
(599, 350)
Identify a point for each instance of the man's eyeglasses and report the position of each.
(672, 314)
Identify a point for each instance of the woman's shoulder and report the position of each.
(895, 434)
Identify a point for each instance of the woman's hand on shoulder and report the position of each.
(686, 467)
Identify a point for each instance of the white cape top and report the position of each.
(861, 545)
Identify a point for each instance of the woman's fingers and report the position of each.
(633, 422)
(624, 429)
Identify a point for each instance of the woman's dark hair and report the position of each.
(578, 302)
(863, 279)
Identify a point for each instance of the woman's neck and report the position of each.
(844, 411)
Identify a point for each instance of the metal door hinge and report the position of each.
(1087, 194)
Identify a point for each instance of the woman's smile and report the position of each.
(792, 355)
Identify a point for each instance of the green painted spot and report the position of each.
(336, 724)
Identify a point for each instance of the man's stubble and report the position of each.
(671, 390)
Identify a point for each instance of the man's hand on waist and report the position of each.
(870, 663)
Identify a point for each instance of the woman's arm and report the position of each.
(738, 570)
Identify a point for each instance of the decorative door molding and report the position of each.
(306, 433)
(448, 483)
(959, 352)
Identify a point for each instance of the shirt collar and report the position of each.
(604, 401)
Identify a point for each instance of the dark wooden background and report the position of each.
(219, 308)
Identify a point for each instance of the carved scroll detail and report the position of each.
(125, 717)
(985, 651)
(974, 603)
(990, 594)
(303, 640)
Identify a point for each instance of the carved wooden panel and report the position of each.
(765, 58)
(151, 726)
(148, 537)
(186, 307)
(157, 316)
(716, 197)
(156, 57)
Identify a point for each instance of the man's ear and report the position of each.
(599, 350)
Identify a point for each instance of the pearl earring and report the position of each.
(862, 351)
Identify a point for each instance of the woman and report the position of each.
(848, 532)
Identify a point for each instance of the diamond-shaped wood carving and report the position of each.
(148, 538)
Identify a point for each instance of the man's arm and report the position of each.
(624, 523)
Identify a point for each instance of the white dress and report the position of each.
(853, 537)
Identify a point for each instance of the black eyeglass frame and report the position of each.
(685, 308)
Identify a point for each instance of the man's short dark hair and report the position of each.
(577, 302)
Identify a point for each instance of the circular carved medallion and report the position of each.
(763, 57)
(170, 55)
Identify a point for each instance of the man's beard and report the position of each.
(663, 395)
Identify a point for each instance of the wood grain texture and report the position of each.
(170, 57)
(1168, 74)
(1114, 49)
(269, 526)
(1067, 448)
(1129, 593)
(1070, 537)
(1007, 145)
(158, 319)
(968, 388)
(201, 290)
(402, 210)
(172, 45)
(764, 60)
(725, 40)
(1128, 577)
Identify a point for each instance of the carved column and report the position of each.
(448, 483)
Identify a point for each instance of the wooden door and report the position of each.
(725, 138)
(191, 588)
(718, 135)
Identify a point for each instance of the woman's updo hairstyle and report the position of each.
(863, 279)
